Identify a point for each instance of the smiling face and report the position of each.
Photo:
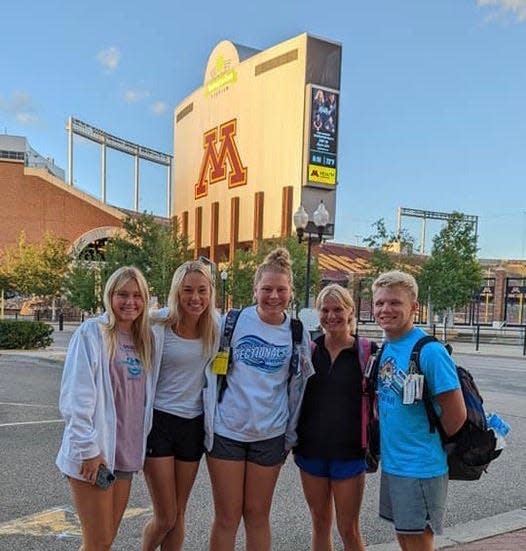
(273, 293)
(394, 310)
(334, 316)
(127, 304)
(194, 295)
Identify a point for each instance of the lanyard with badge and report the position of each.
(413, 386)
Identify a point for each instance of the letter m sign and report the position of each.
(214, 163)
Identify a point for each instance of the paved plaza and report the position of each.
(36, 512)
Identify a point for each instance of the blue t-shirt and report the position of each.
(407, 446)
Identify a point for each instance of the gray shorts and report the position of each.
(123, 475)
(267, 453)
(413, 504)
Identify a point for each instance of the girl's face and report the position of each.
(273, 292)
(194, 294)
(334, 316)
(127, 304)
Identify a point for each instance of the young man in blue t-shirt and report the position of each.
(414, 479)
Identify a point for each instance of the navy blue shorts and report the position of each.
(334, 469)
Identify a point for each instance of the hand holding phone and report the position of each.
(105, 478)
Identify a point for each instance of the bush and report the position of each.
(24, 334)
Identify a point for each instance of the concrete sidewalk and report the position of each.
(504, 532)
(57, 351)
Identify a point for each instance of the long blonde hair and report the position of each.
(343, 298)
(206, 325)
(141, 326)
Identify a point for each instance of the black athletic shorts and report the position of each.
(174, 436)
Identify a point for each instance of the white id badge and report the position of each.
(419, 390)
(409, 391)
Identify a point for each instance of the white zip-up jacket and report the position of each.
(86, 401)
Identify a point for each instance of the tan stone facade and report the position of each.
(243, 142)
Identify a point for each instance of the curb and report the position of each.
(471, 531)
(57, 357)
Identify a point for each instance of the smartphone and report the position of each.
(105, 478)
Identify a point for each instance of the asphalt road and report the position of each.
(35, 506)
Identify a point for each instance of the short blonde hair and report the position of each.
(396, 278)
(141, 326)
(343, 297)
(207, 324)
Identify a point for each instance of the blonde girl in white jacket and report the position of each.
(105, 399)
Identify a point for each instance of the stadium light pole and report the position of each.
(314, 229)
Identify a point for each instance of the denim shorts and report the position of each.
(333, 469)
(413, 504)
(267, 453)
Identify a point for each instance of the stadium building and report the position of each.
(255, 141)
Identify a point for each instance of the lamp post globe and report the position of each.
(321, 218)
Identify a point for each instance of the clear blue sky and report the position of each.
(433, 101)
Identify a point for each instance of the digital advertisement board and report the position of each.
(322, 136)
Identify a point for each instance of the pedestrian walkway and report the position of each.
(510, 541)
(505, 532)
(499, 350)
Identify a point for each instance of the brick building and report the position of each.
(36, 200)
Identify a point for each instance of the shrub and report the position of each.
(24, 334)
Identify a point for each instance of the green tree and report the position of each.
(83, 285)
(5, 280)
(452, 273)
(240, 282)
(156, 249)
(390, 250)
(36, 268)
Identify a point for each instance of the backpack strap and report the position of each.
(296, 328)
(226, 338)
(369, 387)
(414, 360)
(364, 353)
(372, 374)
(228, 329)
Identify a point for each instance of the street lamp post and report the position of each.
(224, 277)
(304, 226)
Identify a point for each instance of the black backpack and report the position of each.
(296, 328)
(472, 448)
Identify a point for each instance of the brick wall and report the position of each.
(35, 201)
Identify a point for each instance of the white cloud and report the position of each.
(159, 107)
(517, 8)
(109, 58)
(133, 96)
(26, 119)
(20, 107)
